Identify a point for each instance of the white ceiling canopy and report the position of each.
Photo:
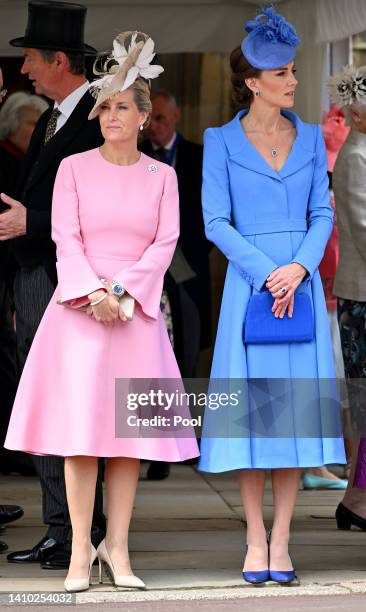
(195, 25)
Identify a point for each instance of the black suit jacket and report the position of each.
(3, 245)
(37, 178)
(192, 239)
(4, 250)
(9, 171)
(7, 264)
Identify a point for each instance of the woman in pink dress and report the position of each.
(115, 217)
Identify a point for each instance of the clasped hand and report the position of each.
(13, 220)
(289, 276)
(108, 310)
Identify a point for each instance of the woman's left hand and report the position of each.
(289, 277)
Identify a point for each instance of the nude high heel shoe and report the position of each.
(74, 585)
(118, 581)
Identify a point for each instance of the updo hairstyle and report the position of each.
(241, 70)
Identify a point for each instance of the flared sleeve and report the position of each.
(144, 279)
(320, 212)
(76, 278)
(253, 265)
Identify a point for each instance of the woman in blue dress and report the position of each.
(266, 207)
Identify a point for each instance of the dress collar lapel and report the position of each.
(242, 152)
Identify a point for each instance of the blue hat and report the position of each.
(271, 41)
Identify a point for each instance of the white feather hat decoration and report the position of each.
(130, 58)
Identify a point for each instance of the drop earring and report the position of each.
(257, 93)
(141, 128)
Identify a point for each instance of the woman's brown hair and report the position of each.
(241, 70)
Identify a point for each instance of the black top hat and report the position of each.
(57, 26)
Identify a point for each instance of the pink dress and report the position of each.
(121, 223)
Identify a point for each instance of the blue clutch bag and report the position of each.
(262, 327)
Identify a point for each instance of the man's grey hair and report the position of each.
(10, 113)
(164, 93)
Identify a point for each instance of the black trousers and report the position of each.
(32, 293)
(8, 359)
(186, 326)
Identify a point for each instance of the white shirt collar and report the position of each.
(168, 146)
(67, 106)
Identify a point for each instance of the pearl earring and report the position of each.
(141, 128)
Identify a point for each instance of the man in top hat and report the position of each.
(54, 60)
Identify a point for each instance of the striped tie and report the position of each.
(51, 125)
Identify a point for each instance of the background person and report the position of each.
(18, 118)
(8, 369)
(335, 132)
(349, 181)
(186, 300)
(169, 146)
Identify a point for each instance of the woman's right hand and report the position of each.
(107, 310)
(279, 310)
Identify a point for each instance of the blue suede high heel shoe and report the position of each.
(285, 578)
(255, 577)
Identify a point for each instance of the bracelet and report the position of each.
(100, 299)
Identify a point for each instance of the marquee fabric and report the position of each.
(196, 25)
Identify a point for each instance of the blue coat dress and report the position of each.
(261, 219)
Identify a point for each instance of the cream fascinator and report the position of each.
(130, 58)
(348, 87)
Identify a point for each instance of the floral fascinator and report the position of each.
(271, 41)
(349, 86)
(130, 58)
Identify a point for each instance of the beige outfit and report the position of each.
(349, 184)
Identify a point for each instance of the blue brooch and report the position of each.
(271, 41)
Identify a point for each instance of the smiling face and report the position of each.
(120, 119)
(276, 87)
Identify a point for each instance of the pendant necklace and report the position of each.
(274, 149)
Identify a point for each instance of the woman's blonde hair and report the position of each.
(141, 92)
